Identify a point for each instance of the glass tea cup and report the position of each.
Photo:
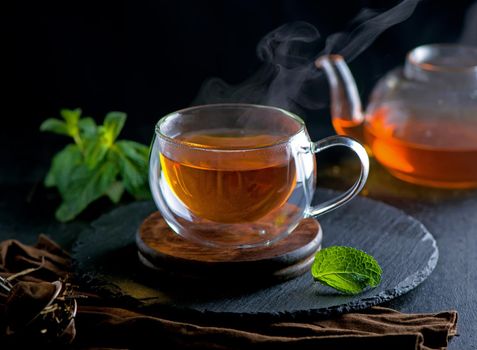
(239, 175)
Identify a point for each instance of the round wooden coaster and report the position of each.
(163, 250)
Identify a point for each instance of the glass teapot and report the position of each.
(421, 121)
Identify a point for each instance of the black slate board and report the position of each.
(106, 257)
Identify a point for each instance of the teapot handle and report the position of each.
(338, 201)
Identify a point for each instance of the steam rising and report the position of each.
(288, 77)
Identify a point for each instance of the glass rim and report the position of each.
(197, 146)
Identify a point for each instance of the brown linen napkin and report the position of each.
(100, 325)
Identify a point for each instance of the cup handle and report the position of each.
(360, 151)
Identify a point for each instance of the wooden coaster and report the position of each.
(161, 249)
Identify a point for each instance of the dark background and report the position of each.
(148, 58)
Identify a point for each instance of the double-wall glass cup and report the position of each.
(239, 175)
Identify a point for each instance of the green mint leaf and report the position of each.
(95, 151)
(86, 186)
(71, 116)
(95, 165)
(113, 124)
(63, 167)
(346, 269)
(55, 125)
(133, 166)
(87, 127)
(115, 191)
(135, 151)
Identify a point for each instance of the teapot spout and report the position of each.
(346, 113)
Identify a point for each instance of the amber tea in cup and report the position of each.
(238, 175)
(241, 189)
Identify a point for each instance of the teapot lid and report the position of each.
(448, 63)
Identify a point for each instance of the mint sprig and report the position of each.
(95, 164)
(346, 269)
